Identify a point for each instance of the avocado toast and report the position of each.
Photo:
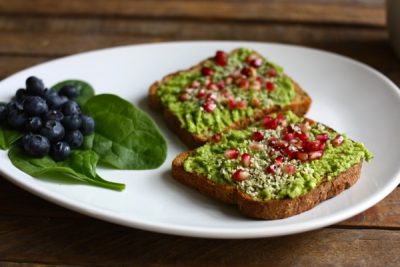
(279, 166)
(227, 91)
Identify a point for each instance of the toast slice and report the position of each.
(228, 91)
(278, 167)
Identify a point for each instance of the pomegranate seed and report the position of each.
(245, 71)
(289, 152)
(337, 141)
(271, 124)
(279, 160)
(313, 145)
(240, 175)
(280, 117)
(231, 153)
(302, 156)
(322, 137)
(255, 102)
(183, 97)
(322, 146)
(211, 96)
(216, 138)
(209, 106)
(244, 83)
(271, 169)
(256, 146)
(212, 86)
(289, 169)
(231, 103)
(250, 57)
(269, 86)
(271, 73)
(206, 71)
(256, 63)
(221, 58)
(290, 129)
(201, 94)
(288, 137)
(221, 85)
(257, 136)
(242, 104)
(195, 84)
(228, 80)
(301, 135)
(246, 160)
(273, 142)
(315, 155)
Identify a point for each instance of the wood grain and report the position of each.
(340, 12)
(88, 242)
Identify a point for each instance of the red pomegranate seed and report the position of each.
(209, 106)
(221, 85)
(315, 155)
(301, 135)
(280, 117)
(216, 138)
(269, 86)
(322, 137)
(201, 94)
(302, 156)
(289, 152)
(288, 137)
(278, 160)
(337, 141)
(211, 96)
(221, 58)
(240, 175)
(244, 83)
(245, 71)
(271, 73)
(289, 169)
(271, 169)
(256, 63)
(206, 71)
(241, 104)
(195, 84)
(257, 136)
(322, 146)
(231, 153)
(231, 103)
(246, 160)
(255, 102)
(313, 145)
(273, 142)
(183, 97)
(271, 124)
(212, 86)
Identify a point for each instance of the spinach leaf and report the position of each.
(80, 167)
(86, 91)
(125, 137)
(8, 137)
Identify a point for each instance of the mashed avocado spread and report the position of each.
(279, 157)
(224, 90)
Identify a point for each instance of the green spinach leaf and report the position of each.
(86, 91)
(8, 137)
(125, 137)
(80, 167)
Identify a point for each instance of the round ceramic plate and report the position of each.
(347, 95)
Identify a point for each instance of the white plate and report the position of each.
(349, 96)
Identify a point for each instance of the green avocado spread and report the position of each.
(283, 156)
(224, 90)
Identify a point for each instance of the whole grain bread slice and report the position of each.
(269, 209)
(300, 105)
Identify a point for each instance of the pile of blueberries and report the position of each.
(52, 121)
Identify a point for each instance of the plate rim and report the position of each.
(192, 231)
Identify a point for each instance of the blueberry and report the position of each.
(72, 122)
(3, 112)
(71, 107)
(35, 105)
(15, 106)
(55, 101)
(69, 91)
(54, 115)
(53, 130)
(20, 94)
(74, 138)
(34, 86)
(17, 119)
(34, 124)
(87, 125)
(60, 151)
(36, 145)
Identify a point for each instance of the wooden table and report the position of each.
(35, 232)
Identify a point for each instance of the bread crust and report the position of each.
(270, 209)
(300, 105)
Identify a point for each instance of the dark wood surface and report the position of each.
(34, 232)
